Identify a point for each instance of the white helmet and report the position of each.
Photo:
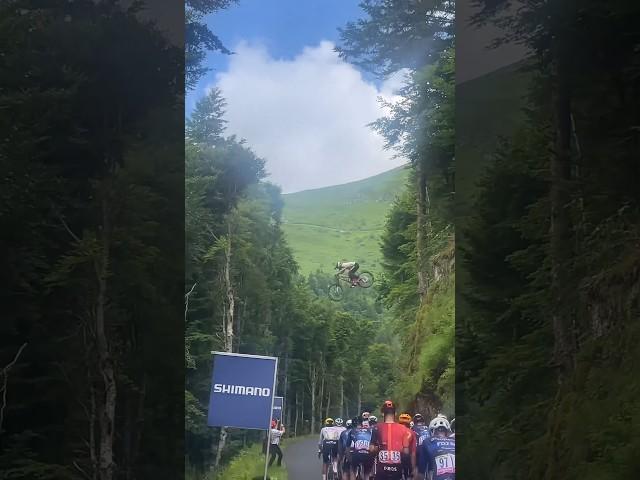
(339, 421)
(438, 422)
(349, 422)
(373, 418)
(442, 415)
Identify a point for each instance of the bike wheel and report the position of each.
(335, 292)
(365, 279)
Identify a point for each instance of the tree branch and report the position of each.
(5, 375)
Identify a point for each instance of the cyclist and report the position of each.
(350, 268)
(440, 451)
(408, 462)
(389, 441)
(359, 439)
(365, 418)
(328, 446)
(421, 430)
(343, 451)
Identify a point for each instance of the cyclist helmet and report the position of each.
(373, 419)
(349, 423)
(388, 406)
(417, 418)
(328, 421)
(411, 424)
(438, 423)
(404, 418)
(339, 422)
(442, 415)
(365, 415)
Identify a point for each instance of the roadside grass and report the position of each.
(249, 465)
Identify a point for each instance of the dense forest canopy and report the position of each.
(91, 203)
(548, 327)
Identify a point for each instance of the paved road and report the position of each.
(302, 460)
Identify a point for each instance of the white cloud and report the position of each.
(307, 116)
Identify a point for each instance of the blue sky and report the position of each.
(288, 94)
(283, 26)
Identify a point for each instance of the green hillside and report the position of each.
(342, 221)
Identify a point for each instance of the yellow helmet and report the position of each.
(404, 418)
(328, 421)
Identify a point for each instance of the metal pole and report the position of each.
(273, 393)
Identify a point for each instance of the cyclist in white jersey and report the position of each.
(328, 446)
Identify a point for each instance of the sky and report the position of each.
(299, 106)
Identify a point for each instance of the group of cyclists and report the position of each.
(364, 448)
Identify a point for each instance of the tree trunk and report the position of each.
(421, 230)
(341, 396)
(302, 412)
(560, 228)
(328, 407)
(358, 411)
(321, 395)
(313, 378)
(295, 426)
(228, 329)
(106, 366)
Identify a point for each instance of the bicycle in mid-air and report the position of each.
(362, 279)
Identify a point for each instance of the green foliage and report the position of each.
(397, 34)
(249, 464)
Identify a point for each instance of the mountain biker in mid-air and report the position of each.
(421, 430)
(350, 268)
(440, 450)
(328, 445)
(408, 462)
(359, 439)
(389, 441)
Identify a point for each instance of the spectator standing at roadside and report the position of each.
(276, 435)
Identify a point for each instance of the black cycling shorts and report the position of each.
(329, 447)
(385, 471)
(364, 459)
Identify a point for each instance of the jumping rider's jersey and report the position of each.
(330, 433)
(359, 439)
(346, 264)
(391, 440)
(422, 435)
(441, 457)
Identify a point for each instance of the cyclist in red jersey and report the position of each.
(390, 441)
(409, 463)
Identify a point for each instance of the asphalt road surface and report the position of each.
(302, 460)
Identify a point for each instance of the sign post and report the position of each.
(242, 393)
(278, 408)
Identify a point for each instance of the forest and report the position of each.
(92, 216)
(243, 289)
(547, 330)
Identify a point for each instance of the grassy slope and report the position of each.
(343, 221)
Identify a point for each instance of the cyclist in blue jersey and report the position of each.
(421, 430)
(440, 451)
(343, 451)
(359, 439)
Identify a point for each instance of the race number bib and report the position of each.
(389, 456)
(361, 445)
(445, 464)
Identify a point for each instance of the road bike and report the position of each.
(362, 279)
